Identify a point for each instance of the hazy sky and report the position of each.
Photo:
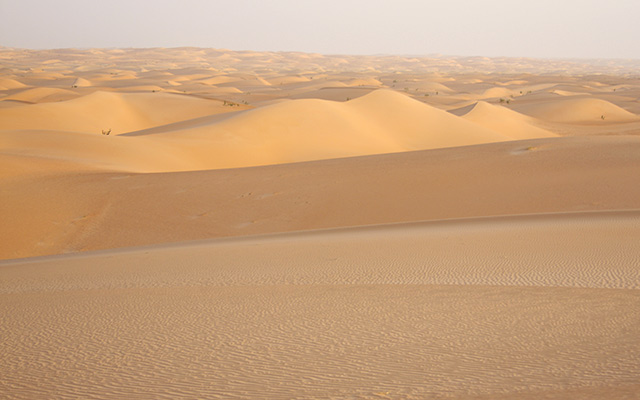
(532, 28)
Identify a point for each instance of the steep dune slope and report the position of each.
(81, 82)
(380, 122)
(507, 122)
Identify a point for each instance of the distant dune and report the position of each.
(81, 82)
(42, 95)
(299, 130)
(103, 110)
(505, 121)
(9, 83)
(580, 110)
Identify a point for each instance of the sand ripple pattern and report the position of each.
(518, 307)
(594, 250)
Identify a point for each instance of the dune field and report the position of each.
(201, 223)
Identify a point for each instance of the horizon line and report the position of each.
(405, 55)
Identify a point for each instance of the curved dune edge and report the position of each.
(71, 211)
(382, 121)
(503, 120)
(627, 219)
(492, 307)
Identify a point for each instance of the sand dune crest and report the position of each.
(505, 121)
(301, 130)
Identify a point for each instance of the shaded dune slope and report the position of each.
(380, 122)
(504, 121)
(86, 211)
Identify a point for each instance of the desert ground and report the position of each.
(202, 223)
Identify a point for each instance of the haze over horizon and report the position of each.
(542, 29)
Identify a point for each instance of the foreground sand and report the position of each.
(288, 225)
(519, 307)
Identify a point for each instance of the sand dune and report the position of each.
(434, 87)
(9, 83)
(568, 93)
(518, 82)
(288, 79)
(81, 82)
(494, 179)
(364, 82)
(42, 95)
(578, 110)
(503, 120)
(226, 90)
(301, 130)
(217, 80)
(496, 92)
(317, 226)
(107, 110)
(333, 93)
(93, 151)
(244, 80)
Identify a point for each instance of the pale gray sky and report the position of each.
(530, 28)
